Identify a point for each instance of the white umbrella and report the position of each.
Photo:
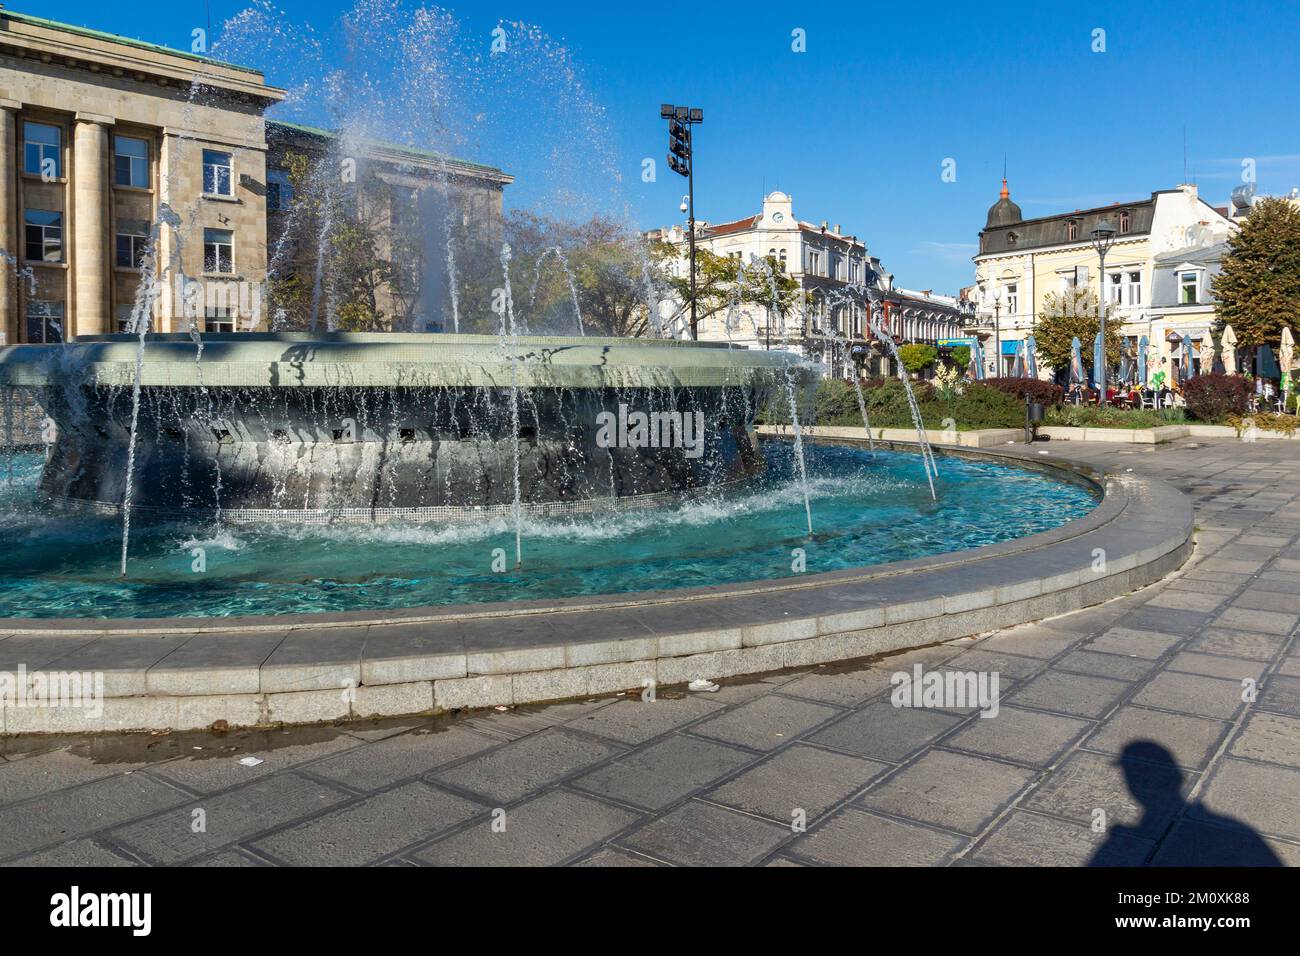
(1228, 345)
(1207, 353)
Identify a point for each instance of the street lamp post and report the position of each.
(997, 330)
(681, 120)
(1103, 237)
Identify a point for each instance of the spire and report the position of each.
(1006, 193)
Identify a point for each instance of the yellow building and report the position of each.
(1021, 261)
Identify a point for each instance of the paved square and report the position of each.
(949, 790)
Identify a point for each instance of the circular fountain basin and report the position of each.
(342, 427)
(293, 668)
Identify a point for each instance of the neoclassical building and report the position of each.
(1021, 261)
(104, 139)
(831, 268)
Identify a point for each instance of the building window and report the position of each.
(43, 235)
(1123, 222)
(132, 241)
(218, 251)
(217, 177)
(130, 162)
(1013, 299)
(1071, 231)
(1188, 288)
(814, 263)
(279, 191)
(44, 321)
(1135, 288)
(42, 154)
(218, 319)
(124, 311)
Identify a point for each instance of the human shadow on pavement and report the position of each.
(1199, 837)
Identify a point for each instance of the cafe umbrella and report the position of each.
(1287, 354)
(1228, 347)
(1098, 365)
(977, 360)
(1188, 369)
(1207, 353)
(1031, 357)
(1076, 363)
(1143, 345)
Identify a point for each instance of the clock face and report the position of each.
(778, 217)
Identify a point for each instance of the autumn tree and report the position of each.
(1067, 315)
(1259, 286)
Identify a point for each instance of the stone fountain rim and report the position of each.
(312, 668)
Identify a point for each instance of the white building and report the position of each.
(832, 270)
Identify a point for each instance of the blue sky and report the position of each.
(857, 128)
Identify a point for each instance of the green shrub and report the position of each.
(1090, 416)
(1214, 397)
(960, 356)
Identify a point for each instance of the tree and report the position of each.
(917, 357)
(1073, 313)
(1259, 287)
(722, 281)
(960, 357)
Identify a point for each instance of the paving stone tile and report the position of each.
(1192, 740)
(1165, 620)
(528, 764)
(1086, 782)
(1192, 694)
(1187, 600)
(664, 772)
(1034, 640)
(1264, 797)
(230, 817)
(1195, 843)
(1266, 622)
(1281, 693)
(1008, 665)
(381, 763)
(633, 721)
(217, 766)
(543, 831)
(844, 689)
(800, 777)
(1133, 643)
(766, 723)
(75, 853)
(515, 723)
(1074, 694)
(54, 770)
(65, 815)
(881, 730)
(1028, 839)
(854, 838)
(1267, 601)
(377, 826)
(1231, 643)
(229, 858)
(612, 856)
(1104, 665)
(1020, 735)
(700, 834)
(1273, 738)
(1212, 665)
(950, 790)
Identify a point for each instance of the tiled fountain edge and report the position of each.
(448, 660)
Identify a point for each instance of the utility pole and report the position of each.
(681, 120)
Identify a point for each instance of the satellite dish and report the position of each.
(1243, 197)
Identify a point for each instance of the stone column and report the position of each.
(91, 200)
(9, 318)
